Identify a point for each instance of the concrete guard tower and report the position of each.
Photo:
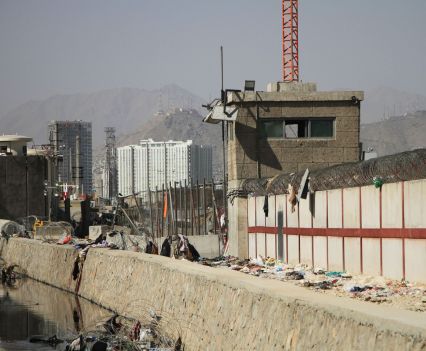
(288, 128)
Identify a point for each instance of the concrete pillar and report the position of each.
(237, 224)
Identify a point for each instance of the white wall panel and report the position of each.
(320, 209)
(415, 204)
(335, 208)
(305, 213)
(392, 258)
(370, 206)
(261, 244)
(293, 249)
(260, 214)
(306, 250)
(251, 211)
(270, 220)
(270, 246)
(351, 208)
(392, 205)
(353, 255)
(320, 252)
(415, 260)
(335, 254)
(252, 245)
(371, 256)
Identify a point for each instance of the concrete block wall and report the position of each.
(13, 192)
(249, 156)
(220, 309)
(362, 230)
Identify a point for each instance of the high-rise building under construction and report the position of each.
(73, 141)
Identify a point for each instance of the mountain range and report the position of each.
(396, 134)
(175, 113)
(126, 109)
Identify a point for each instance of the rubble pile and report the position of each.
(401, 294)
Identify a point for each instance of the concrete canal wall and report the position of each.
(217, 309)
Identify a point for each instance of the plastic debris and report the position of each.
(373, 289)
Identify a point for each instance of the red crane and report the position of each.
(290, 51)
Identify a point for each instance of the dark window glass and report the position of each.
(298, 128)
(272, 129)
(322, 128)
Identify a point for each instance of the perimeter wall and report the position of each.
(368, 230)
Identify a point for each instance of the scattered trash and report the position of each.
(119, 334)
(334, 274)
(373, 289)
(355, 288)
(52, 341)
(67, 239)
(10, 274)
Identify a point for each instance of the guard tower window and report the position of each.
(322, 128)
(272, 129)
(295, 129)
(298, 128)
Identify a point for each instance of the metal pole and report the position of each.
(198, 209)
(214, 209)
(150, 211)
(191, 205)
(186, 208)
(172, 211)
(27, 207)
(180, 207)
(137, 206)
(224, 142)
(157, 232)
(162, 216)
(175, 208)
(204, 206)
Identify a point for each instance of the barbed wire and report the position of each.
(409, 165)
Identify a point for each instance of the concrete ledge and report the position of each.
(284, 96)
(217, 309)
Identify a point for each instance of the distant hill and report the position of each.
(135, 114)
(384, 102)
(125, 108)
(395, 134)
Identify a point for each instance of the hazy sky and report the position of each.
(52, 47)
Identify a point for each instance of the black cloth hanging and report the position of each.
(266, 206)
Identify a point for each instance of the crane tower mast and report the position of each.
(290, 40)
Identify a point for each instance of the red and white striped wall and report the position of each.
(360, 230)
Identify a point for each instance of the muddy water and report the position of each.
(30, 308)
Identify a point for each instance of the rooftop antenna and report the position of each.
(290, 40)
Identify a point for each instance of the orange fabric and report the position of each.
(165, 206)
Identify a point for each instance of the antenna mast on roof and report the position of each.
(290, 40)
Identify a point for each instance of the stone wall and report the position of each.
(217, 309)
(13, 191)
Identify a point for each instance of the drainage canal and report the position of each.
(35, 316)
